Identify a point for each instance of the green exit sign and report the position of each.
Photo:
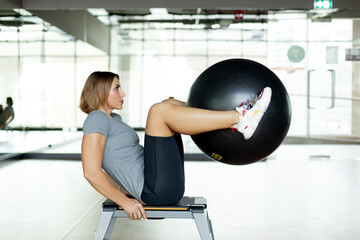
(325, 4)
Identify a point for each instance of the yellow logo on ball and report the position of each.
(216, 156)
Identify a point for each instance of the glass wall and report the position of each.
(44, 69)
(320, 83)
(159, 60)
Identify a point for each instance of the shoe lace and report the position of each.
(249, 103)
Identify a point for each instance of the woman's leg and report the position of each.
(164, 119)
(163, 150)
(163, 153)
(163, 165)
(163, 170)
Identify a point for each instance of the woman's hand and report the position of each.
(134, 209)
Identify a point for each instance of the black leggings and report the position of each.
(164, 170)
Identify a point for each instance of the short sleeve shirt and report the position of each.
(123, 157)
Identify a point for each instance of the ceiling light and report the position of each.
(159, 11)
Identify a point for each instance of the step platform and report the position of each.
(187, 208)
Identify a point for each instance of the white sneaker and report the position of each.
(252, 110)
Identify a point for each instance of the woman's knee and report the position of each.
(157, 121)
(158, 108)
(168, 100)
(174, 102)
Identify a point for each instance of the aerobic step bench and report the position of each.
(186, 208)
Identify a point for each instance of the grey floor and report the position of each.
(300, 192)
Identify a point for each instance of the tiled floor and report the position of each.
(300, 192)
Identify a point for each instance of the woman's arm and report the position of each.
(116, 185)
(92, 151)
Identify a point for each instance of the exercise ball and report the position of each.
(223, 86)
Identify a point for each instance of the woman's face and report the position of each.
(116, 96)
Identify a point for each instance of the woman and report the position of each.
(117, 166)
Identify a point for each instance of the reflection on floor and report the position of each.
(300, 192)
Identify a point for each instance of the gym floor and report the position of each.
(299, 192)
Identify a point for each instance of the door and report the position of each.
(309, 57)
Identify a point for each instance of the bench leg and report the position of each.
(110, 228)
(203, 224)
(105, 225)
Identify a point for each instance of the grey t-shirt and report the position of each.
(123, 157)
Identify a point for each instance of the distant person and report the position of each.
(8, 114)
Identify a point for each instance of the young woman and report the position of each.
(118, 167)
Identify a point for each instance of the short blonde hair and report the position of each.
(96, 90)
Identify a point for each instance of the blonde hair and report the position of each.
(96, 90)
